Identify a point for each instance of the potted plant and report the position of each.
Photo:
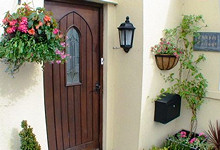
(189, 82)
(214, 135)
(185, 140)
(30, 35)
(166, 54)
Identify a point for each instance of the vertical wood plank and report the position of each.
(77, 96)
(48, 95)
(90, 86)
(96, 65)
(84, 82)
(57, 106)
(77, 89)
(64, 100)
(71, 111)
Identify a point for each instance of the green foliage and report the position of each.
(190, 84)
(166, 47)
(157, 148)
(184, 141)
(30, 36)
(28, 139)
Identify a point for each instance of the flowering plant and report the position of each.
(166, 47)
(183, 140)
(30, 35)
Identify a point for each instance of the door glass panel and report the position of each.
(73, 63)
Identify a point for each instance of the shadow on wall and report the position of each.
(15, 139)
(13, 89)
(168, 16)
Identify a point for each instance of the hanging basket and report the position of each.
(165, 61)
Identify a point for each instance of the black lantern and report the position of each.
(126, 34)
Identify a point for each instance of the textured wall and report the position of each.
(21, 98)
(123, 74)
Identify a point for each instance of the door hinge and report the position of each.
(102, 61)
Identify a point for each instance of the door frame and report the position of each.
(100, 7)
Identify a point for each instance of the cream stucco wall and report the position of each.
(159, 15)
(21, 98)
(210, 9)
(123, 74)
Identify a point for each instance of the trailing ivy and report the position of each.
(190, 84)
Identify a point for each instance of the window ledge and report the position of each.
(215, 95)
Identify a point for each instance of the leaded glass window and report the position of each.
(73, 63)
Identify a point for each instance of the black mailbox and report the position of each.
(167, 108)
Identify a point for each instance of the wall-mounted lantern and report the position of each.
(126, 35)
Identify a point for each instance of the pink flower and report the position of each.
(183, 134)
(192, 140)
(63, 44)
(63, 56)
(58, 52)
(10, 30)
(13, 22)
(58, 61)
(159, 51)
(24, 20)
(23, 28)
(176, 54)
(55, 31)
(5, 20)
(202, 134)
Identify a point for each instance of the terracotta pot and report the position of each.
(165, 61)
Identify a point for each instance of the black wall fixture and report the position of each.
(126, 34)
(167, 108)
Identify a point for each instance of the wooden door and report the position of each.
(72, 90)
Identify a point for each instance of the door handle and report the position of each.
(97, 87)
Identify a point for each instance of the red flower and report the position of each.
(39, 25)
(47, 18)
(5, 20)
(31, 31)
(10, 30)
(13, 22)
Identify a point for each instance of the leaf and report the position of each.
(30, 23)
(39, 31)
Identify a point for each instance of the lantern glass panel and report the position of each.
(122, 37)
(128, 37)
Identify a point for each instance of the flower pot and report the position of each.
(182, 145)
(165, 61)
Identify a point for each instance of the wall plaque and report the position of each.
(207, 41)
